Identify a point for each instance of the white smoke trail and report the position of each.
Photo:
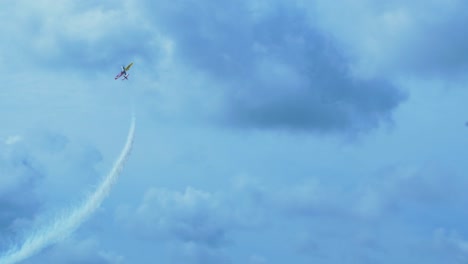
(66, 224)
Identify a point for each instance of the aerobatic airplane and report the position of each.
(123, 72)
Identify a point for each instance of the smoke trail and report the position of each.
(64, 225)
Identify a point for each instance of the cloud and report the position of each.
(418, 39)
(395, 209)
(39, 172)
(256, 65)
(256, 259)
(436, 43)
(195, 224)
(79, 36)
(64, 158)
(392, 192)
(191, 252)
(451, 244)
(189, 216)
(411, 191)
(278, 70)
(274, 68)
(13, 140)
(73, 251)
(20, 171)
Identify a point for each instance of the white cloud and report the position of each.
(77, 251)
(189, 216)
(13, 140)
(257, 259)
(198, 226)
(451, 243)
(419, 39)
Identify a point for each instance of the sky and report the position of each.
(266, 131)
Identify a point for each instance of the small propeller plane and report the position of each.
(123, 72)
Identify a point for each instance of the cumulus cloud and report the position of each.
(73, 251)
(197, 224)
(275, 67)
(67, 163)
(33, 175)
(279, 71)
(392, 192)
(419, 38)
(256, 259)
(451, 243)
(189, 216)
(397, 211)
(192, 252)
(81, 35)
(408, 191)
(20, 171)
(437, 42)
(13, 139)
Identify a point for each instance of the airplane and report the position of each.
(124, 72)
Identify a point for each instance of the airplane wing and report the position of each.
(118, 75)
(128, 67)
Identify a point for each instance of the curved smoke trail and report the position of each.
(64, 225)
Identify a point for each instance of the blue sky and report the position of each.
(267, 131)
